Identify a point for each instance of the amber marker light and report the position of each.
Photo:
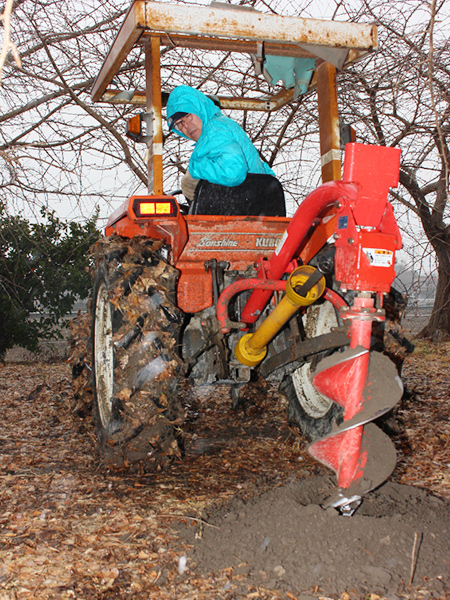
(134, 128)
(163, 208)
(144, 207)
(147, 208)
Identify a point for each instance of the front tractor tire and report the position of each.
(136, 368)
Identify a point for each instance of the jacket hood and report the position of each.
(185, 99)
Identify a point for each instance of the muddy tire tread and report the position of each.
(146, 412)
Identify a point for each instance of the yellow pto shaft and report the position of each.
(252, 347)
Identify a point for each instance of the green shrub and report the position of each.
(43, 271)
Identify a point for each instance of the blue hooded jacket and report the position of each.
(224, 153)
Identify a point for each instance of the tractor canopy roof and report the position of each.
(300, 53)
(284, 49)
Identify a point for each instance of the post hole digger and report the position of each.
(219, 298)
(366, 238)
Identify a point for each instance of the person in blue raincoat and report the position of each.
(223, 152)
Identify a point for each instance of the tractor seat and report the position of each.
(258, 195)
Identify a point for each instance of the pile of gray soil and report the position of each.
(398, 540)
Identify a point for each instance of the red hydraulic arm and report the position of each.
(295, 235)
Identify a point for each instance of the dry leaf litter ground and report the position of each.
(238, 518)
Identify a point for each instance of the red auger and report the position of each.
(366, 384)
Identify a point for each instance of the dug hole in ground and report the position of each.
(240, 517)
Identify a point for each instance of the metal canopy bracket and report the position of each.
(335, 56)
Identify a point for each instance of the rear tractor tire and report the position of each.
(136, 368)
(313, 413)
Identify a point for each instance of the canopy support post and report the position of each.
(330, 145)
(154, 107)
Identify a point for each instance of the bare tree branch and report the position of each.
(8, 45)
(443, 197)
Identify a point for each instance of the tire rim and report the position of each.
(103, 355)
(319, 320)
(314, 404)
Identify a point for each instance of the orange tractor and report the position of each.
(225, 298)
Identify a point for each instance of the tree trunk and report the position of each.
(438, 234)
(438, 327)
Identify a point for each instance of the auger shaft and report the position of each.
(350, 451)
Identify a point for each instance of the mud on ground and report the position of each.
(239, 518)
